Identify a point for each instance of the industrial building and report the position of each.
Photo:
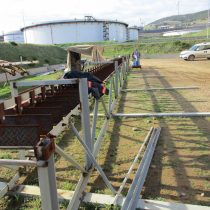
(14, 36)
(133, 33)
(76, 31)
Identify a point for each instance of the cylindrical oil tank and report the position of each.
(14, 36)
(133, 33)
(75, 31)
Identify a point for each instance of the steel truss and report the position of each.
(46, 172)
(91, 145)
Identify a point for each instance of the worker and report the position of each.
(136, 59)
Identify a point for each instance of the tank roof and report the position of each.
(72, 21)
(13, 32)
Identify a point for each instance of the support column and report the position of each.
(95, 113)
(14, 90)
(85, 115)
(110, 96)
(14, 93)
(47, 184)
(116, 78)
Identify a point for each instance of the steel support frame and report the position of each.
(103, 199)
(48, 187)
(47, 180)
(93, 160)
(172, 114)
(132, 166)
(83, 181)
(132, 197)
(166, 88)
(5, 187)
(47, 174)
(145, 163)
(147, 158)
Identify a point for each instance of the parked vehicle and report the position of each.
(201, 50)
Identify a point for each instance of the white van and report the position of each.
(201, 50)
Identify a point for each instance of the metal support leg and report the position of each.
(132, 166)
(113, 82)
(127, 63)
(138, 181)
(85, 114)
(48, 188)
(124, 68)
(116, 79)
(14, 90)
(120, 76)
(110, 97)
(95, 113)
(69, 158)
(97, 144)
(104, 106)
(92, 158)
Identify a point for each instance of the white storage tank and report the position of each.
(14, 36)
(75, 31)
(133, 33)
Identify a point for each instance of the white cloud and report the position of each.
(130, 11)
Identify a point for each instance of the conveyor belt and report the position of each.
(27, 120)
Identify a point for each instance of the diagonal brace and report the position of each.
(92, 158)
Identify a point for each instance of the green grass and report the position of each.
(197, 34)
(147, 46)
(66, 45)
(45, 54)
(159, 47)
(5, 90)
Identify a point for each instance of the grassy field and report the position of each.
(55, 54)
(202, 33)
(180, 169)
(45, 54)
(181, 161)
(158, 47)
(147, 46)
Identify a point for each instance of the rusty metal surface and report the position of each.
(55, 111)
(37, 117)
(44, 149)
(45, 121)
(19, 135)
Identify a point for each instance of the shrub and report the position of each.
(46, 61)
(14, 43)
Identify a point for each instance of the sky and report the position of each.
(18, 13)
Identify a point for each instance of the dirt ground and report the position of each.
(181, 165)
(180, 169)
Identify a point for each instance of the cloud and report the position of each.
(133, 12)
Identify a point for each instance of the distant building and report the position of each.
(14, 36)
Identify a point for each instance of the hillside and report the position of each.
(192, 19)
(45, 54)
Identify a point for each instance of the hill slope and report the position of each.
(187, 19)
(43, 53)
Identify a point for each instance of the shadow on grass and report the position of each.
(167, 147)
